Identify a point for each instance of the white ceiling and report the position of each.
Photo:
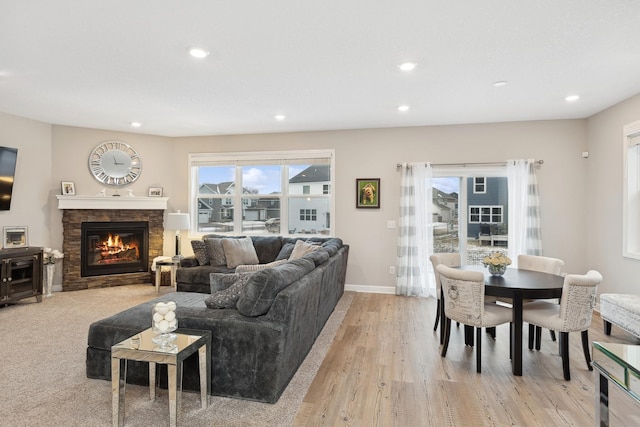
(325, 64)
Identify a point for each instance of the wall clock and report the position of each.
(115, 163)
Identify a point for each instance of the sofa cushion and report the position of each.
(285, 252)
(302, 248)
(332, 245)
(318, 257)
(257, 267)
(228, 296)
(239, 251)
(200, 251)
(215, 251)
(264, 286)
(267, 247)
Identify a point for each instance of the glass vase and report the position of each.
(497, 270)
(163, 323)
(48, 284)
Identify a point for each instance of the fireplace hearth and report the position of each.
(113, 247)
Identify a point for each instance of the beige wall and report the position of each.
(604, 207)
(366, 154)
(32, 187)
(581, 198)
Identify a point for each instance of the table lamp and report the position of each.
(178, 221)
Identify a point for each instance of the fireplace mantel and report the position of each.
(111, 202)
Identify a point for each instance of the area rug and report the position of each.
(43, 369)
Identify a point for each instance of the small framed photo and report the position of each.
(155, 191)
(367, 192)
(15, 237)
(68, 188)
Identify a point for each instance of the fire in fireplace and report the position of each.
(114, 247)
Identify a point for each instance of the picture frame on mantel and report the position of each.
(15, 237)
(68, 188)
(155, 191)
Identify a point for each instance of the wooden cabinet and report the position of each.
(20, 274)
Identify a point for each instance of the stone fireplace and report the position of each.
(79, 210)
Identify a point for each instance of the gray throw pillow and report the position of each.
(222, 281)
(285, 252)
(215, 252)
(239, 251)
(227, 298)
(200, 252)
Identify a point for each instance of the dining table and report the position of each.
(519, 285)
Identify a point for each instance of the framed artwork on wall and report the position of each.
(155, 191)
(68, 188)
(15, 237)
(367, 192)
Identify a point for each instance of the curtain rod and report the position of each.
(540, 162)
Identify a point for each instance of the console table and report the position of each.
(620, 365)
(140, 347)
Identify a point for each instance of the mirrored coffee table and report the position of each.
(618, 364)
(140, 347)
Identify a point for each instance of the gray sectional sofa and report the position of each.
(259, 343)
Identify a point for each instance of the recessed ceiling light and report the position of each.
(280, 116)
(136, 124)
(572, 98)
(500, 83)
(403, 108)
(198, 52)
(407, 66)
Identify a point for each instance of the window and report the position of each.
(631, 191)
(462, 216)
(262, 192)
(479, 185)
(308, 214)
(485, 214)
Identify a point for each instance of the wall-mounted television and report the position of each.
(8, 157)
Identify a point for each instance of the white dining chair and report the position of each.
(464, 302)
(573, 314)
(450, 260)
(542, 264)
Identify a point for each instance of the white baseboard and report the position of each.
(370, 289)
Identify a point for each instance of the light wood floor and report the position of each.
(384, 369)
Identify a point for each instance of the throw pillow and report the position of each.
(257, 267)
(239, 251)
(215, 252)
(227, 298)
(285, 252)
(222, 281)
(200, 252)
(301, 249)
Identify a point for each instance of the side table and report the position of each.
(141, 348)
(620, 365)
(174, 267)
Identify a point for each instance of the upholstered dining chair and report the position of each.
(463, 293)
(450, 260)
(573, 314)
(545, 265)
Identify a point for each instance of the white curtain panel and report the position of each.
(415, 240)
(524, 209)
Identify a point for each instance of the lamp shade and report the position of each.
(178, 221)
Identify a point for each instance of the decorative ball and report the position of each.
(170, 316)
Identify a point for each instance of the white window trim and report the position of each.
(631, 191)
(484, 185)
(245, 158)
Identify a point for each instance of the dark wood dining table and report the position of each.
(519, 285)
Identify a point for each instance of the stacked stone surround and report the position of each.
(71, 223)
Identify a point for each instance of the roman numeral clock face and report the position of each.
(115, 163)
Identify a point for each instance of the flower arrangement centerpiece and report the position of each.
(496, 263)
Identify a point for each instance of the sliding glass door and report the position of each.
(470, 212)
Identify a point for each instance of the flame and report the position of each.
(114, 245)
